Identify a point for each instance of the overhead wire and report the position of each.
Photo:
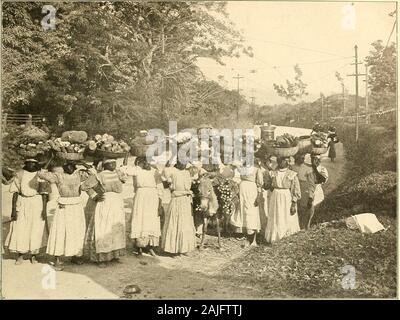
(297, 47)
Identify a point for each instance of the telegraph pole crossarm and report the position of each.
(356, 75)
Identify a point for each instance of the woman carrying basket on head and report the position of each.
(145, 230)
(28, 213)
(333, 139)
(285, 192)
(105, 236)
(179, 234)
(67, 232)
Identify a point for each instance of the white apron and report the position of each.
(109, 223)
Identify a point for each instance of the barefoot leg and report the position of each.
(205, 223)
(152, 253)
(254, 241)
(219, 232)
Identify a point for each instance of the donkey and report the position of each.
(206, 205)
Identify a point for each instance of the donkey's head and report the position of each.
(206, 193)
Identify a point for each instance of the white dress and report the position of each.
(26, 234)
(247, 216)
(67, 232)
(145, 228)
(179, 234)
(105, 237)
(286, 189)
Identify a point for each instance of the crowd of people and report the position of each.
(276, 198)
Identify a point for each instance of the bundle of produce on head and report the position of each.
(30, 141)
(70, 146)
(286, 145)
(74, 136)
(319, 142)
(107, 146)
(29, 149)
(34, 133)
(286, 141)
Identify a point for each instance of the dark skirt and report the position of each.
(332, 150)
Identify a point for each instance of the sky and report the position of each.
(320, 36)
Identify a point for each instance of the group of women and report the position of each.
(97, 231)
(279, 197)
(274, 194)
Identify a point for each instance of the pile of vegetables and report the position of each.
(28, 146)
(33, 133)
(59, 145)
(69, 142)
(286, 141)
(30, 141)
(319, 140)
(107, 142)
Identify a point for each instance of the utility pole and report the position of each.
(238, 77)
(366, 95)
(356, 65)
(356, 74)
(162, 77)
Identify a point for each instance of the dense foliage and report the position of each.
(371, 179)
(123, 66)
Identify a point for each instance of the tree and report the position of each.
(27, 50)
(382, 74)
(382, 71)
(108, 65)
(294, 90)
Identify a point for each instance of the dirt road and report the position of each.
(188, 277)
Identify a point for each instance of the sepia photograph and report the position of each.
(199, 150)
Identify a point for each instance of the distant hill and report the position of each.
(306, 113)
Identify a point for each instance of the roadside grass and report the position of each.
(310, 264)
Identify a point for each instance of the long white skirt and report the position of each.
(179, 234)
(26, 233)
(67, 232)
(248, 215)
(109, 223)
(280, 222)
(145, 219)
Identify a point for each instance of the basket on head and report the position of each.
(304, 144)
(69, 156)
(139, 150)
(316, 150)
(285, 152)
(109, 154)
(28, 154)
